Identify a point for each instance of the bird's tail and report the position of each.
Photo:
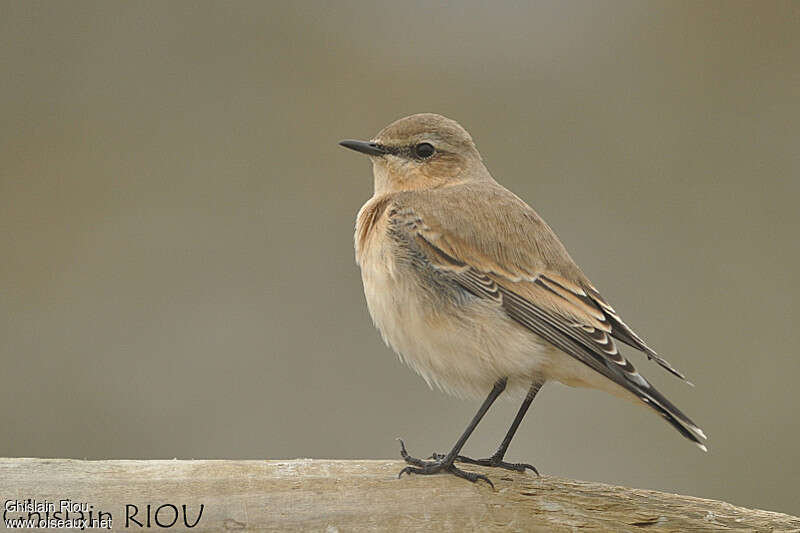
(673, 415)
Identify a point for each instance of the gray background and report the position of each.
(177, 275)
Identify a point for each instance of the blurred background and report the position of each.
(176, 218)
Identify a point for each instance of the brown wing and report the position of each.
(502, 261)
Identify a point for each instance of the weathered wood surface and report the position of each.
(331, 496)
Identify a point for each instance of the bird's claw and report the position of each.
(437, 465)
(497, 463)
(435, 468)
(492, 462)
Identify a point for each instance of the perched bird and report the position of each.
(476, 293)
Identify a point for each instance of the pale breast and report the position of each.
(375, 254)
(460, 343)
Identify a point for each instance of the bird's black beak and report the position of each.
(364, 147)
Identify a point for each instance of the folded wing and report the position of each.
(544, 292)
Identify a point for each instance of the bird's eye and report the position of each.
(424, 150)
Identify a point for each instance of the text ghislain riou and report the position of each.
(31, 505)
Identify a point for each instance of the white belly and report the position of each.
(463, 349)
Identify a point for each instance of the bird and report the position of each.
(475, 292)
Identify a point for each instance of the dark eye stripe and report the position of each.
(408, 151)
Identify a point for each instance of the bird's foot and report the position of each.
(494, 461)
(439, 464)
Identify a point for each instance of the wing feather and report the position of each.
(558, 304)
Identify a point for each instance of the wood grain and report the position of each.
(331, 496)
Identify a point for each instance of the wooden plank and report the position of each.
(331, 496)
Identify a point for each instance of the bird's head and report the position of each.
(421, 151)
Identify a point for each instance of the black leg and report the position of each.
(497, 458)
(445, 463)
